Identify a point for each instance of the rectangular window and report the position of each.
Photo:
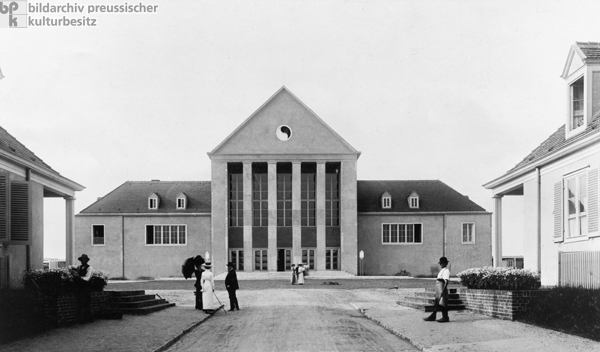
(236, 256)
(577, 100)
(260, 259)
(152, 203)
(260, 200)
(332, 259)
(97, 235)
(401, 233)
(468, 232)
(308, 257)
(236, 200)
(180, 203)
(308, 199)
(284, 200)
(173, 235)
(332, 199)
(414, 202)
(387, 202)
(576, 205)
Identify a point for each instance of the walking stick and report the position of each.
(222, 306)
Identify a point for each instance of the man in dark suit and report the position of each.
(231, 283)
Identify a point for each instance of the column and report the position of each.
(272, 229)
(70, 231)
(348, 217)
(497, 231)
(296, 212)
(248, 218)
(219, 217)
(320, 255)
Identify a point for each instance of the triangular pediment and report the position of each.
(574, 62)
(283, 125)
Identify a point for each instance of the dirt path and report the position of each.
(291, 320)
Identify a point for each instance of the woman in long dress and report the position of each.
(294, 279)
(300, 274)
(208, 289)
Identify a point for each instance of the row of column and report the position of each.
(296, 215)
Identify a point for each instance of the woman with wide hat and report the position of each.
(208, 288)
(441, 293)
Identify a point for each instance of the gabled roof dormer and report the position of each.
(386, 200)
(413, 200)
(582, 75)
(153, 201)
(181, 202)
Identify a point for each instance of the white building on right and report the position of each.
(559, 184)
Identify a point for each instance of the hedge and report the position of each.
(495, 278)
(60, 279)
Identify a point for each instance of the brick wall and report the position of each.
(499, 303)
(63, 308)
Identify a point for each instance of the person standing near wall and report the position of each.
(208, 289)
(198, 261)
(231, 284)
(294, 277)
(82, 275)
(441, 293)
(300, 274)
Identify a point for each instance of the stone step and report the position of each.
(430, 294)
(144, 310)
(428, 307)
(430, 300)
(136, 302)
(134, 298)
(139, 304)
(126, 293)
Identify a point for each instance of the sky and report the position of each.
(459, 91)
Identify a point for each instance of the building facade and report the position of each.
(284, 190)
(25, 180)
(558, 182)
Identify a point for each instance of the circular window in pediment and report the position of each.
(283, 133)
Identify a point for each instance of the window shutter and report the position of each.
(593, 200)
(20, 225)
(3, 208)
(558, 212)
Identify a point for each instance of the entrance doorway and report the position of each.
(284, 259)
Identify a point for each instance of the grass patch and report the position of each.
(573, 310)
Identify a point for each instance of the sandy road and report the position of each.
(291, 320)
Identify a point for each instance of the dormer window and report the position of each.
(386, 201)
(153, 201)
(582, 77)
(577, 111)
(413, 200)
(181, 201)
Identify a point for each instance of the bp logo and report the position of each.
(13, 14)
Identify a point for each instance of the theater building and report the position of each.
(284, 190)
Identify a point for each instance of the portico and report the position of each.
(284, 192)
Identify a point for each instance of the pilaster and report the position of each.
(320, 255)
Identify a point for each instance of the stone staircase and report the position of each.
(425, 300)
(287, 275)
(136, 302)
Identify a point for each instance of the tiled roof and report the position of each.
(434, 196)
(591, 50)
(556, 142)
(11, 145)
(132, 197)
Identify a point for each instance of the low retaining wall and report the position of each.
(502, 304)
(65, 308)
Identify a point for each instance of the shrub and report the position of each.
(494, 278)
(403, 273)
(574, 310)
(60, 279)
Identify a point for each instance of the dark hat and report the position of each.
(207, 265)
(84, 257)
(230, 265)
(443, 260)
